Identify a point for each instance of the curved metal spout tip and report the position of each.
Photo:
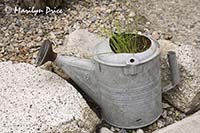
(45, 53)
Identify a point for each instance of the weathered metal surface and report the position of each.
(126, 86)
(46, 53)
(129, 93)
(174, 72)
(130, 100)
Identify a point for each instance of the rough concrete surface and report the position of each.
(183, 97)
(79, 43)
(180, 18)
(190, 124)
(35, 100)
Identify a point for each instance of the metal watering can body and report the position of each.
(127, 87)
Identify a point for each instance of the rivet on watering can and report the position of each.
(132, 61)
(87, 76)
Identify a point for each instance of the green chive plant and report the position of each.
(122, 40)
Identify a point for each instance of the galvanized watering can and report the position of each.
(126, 86)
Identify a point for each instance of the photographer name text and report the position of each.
(32, 10)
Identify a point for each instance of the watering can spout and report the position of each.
(82, 71)
(45, 53)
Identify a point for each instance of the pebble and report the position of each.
(94, 19)
(160, 124)
(52, 36)
(10, 27)
(139, 131)
(29, 32)
(22, 44)
(164, 114)
(74, 12)
(168, 37)
(182, 116)
(112, 129)
(40, 32)
(105, 130)
(170, 112)
(156, 35)
(35, 55)
(123, 131)
(165, 105)
(1, 44)
(131, 14)
(148, 23)
(117, 129)
(108, 11)
(6, 34)
(4, 28)
(31, 44)
(169, 120)
(18, 23)
(38, 39)
(177, 113)
(133, 131)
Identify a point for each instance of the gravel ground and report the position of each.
(180, 18)
(21, 35)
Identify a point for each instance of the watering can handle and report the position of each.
(174, 70)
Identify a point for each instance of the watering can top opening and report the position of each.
(104, 54)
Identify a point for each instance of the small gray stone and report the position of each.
(169, 120)
(52, 36)
(117, 129)
(123, 131)
(165, 105)
(1, 45)
(160, 124)
(156, 35)
(18, 22)
(35, 55)
(164, 114)
(133, 131)
(170, 112)
(40, 32)
(38, 39)
(182, 116)
(131, 14)
(105, 130)
(168, 36)
(139, 131)
(112, 129)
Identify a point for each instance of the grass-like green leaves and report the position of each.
(123, 40)
(128, 43)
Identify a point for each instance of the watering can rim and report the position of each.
(104, 54)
